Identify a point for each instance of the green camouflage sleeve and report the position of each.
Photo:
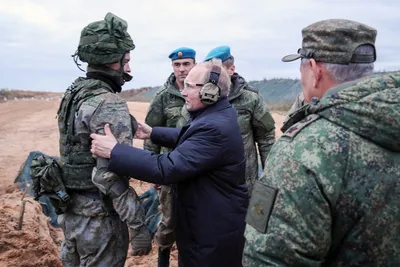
(114, 111)
(155, 117)
(298, 229)
(289, 216)
(111, 109)
(263, 128)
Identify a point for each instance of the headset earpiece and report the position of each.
(211, 92)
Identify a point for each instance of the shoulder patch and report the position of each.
(295, 129)
(260, 207)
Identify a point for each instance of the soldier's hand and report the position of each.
(141, 241)
(143, 131)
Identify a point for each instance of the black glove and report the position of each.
(140, 241)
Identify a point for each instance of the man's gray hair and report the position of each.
(224, 80)
(341, 73)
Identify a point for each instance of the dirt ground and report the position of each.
(27, 126)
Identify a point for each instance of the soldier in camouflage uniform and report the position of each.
(164, 110)
(255, 121)
(331, 192)
(95, 222)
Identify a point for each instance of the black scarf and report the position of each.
(107, 75)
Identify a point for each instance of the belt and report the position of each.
(89, 194)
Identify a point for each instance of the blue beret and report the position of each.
(221, 52)
(182, 52)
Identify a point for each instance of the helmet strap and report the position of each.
(75, 57)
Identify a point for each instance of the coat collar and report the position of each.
(220, 105)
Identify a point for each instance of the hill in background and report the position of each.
(275, 91)
(279, 93)
(144, 94)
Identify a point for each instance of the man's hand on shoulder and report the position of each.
(143, 131)
(102, 145)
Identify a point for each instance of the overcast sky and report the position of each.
(38, 37)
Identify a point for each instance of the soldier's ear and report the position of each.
(316, 71)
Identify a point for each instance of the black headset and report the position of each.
(210, 92)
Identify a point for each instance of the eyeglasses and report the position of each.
(188, 85)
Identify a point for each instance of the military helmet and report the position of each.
(105, 41)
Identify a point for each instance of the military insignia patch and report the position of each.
(260, 206)
(180, 54)
(295, 129)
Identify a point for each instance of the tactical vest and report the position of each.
(76, 160)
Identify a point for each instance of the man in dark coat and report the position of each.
(206, 168)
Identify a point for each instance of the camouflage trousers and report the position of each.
(93, 241)
(165, 232)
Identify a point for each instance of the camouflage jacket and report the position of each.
(331, 192)
(92, 115)
(164, 110)
(256, 125)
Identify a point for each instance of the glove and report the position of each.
(131, 211)
(109, 183)
(140, 241)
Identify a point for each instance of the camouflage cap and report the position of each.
(334, 41)
(105, 41)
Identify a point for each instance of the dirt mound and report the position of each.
(36, 244)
